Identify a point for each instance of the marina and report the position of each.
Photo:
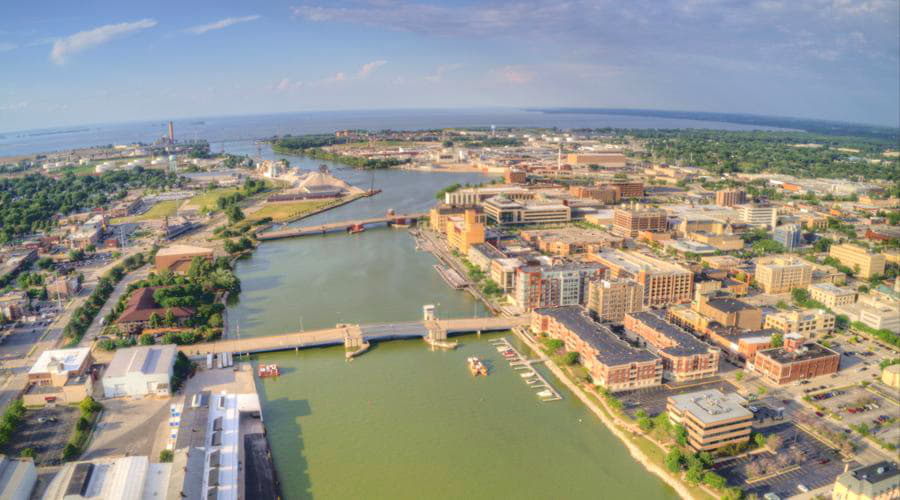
(527, 372)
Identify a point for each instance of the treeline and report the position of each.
(294, 144)
(353, 161)
(29, 203)
(759, 151)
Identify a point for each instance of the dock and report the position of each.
(451, 277)
(525, 365)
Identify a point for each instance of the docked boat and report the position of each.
(527, 374)
(476, 367)
(268, 371)
(545, 394)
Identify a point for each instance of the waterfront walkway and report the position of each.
(354, 335)
(291, 232)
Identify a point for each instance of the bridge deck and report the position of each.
(335, 226)
(335, 336)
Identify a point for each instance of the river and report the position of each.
(403, 421)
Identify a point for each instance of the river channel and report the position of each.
(402, 421)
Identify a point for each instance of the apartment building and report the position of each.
(503, 272)
(504, 211)
(571, 240)
(465, 231)
(664, 283)
(554, 286)
(781, 275)
(809, 323)
(629, 222)
(758, 214)
(611, 362)
(730, 197)
(795, 361)
(729, 312)
(712, 419)
(855, 256)
(684, 356)
(831, 296)
(611, 300)
(439, 215)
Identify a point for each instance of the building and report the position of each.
(684, 356)
(140, 371)
(568, 241)
(63, 288)
(611, 362)
(730, 197)
(611, 300)
(874, 314)
(857, 257)
(612, 159)
(141, 307)
(664, 283)
(13, 304)
(795, 361)
(878, 481)
(629, 222)
(831, 296)
(59, 376)
(890, 376)
(781, 275)
(478, 195)
(554, 286)
(814, 221)
(712, 419)
(503, 272)
(626, 189)
(515, 176)
(122, 478)
(721, 262)
(758, 214)
(809, 323)
(465, 232)
(729, 312)
(724, 242)
(790, 236)
(503, 211)
(439, 215)
(17, 478)
(178, 258)
(604, 194)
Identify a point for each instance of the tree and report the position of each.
(154, 320)
(714, 480)
(681, 435)
(76, 255)
(570, 358)
(739, 375)
(88, 405)
(147, 339)
(774, 442)
(645, 423)
(759, 440)
(777, 340)
(166, 456)
(170, 318)
(673, 460)
(234, 214)
(91, 248)
(694, 474)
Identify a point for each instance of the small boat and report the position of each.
(527, 374)
(268, 371)
(476, 367)
(545, 394)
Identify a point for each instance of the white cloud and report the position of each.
(6, 47)
(440, 71)
(224, 23)
(83, 40)
(370, 67)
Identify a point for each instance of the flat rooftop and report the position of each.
(66, 359)
(146, 360)
(803, 353)
(685, 343)
(634, 262)
(729, 305)
(612, 350)
(711, 406)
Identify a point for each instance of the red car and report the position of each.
(820, 414)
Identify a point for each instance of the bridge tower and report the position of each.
(428, 312)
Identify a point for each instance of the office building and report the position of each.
(758, 214)
(664, 283)
(59, 376)
(878, 481)
(629, 222)
(140, 371)
(860, 259)
(503, 211)
(611, 159)
(554, 286)
(611, 300)
(478, 195)
(178, 258)
(684, 356)
(712, 419)
(831, 296)
(874, 314)
(796, 360)
(730, 197)
(603, 194)
(780, 275)
(626, 189)
(464, 232)
(790, 236)
(439, 215)
(611, 362)
(810, 323)
(568, 241)
(503, 272)
(515, 176)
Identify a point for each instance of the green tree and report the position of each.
(170, 318)
(147, 339)
(681, 435)
(166, 456)
(777, 339)
(154, 320)
(673, 460)
(570, 358)
(234, 214)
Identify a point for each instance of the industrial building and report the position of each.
(60, 376)
(17, 478)
(140, 371)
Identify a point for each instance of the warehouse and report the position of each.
(140, 371)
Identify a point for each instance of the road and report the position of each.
(96, 328)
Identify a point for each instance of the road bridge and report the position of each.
(348, 226)
(355, 336)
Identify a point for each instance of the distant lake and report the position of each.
(224, 129)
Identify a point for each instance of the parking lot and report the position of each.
(46, 431)
(858, 406)
(804, 460)
(653, 399)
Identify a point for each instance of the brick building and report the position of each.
(684, 356)
(796, 360)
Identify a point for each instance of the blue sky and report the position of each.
(68, 63)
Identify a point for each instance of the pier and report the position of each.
(357, 225)
(525, 365)
(452, 277)
(357, 337)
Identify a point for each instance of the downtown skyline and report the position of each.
(108, 62)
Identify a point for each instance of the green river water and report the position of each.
(403, 421)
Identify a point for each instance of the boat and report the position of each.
(545, 394)
(268, 371)
(476, 367)
(356, 228)
(527, 374)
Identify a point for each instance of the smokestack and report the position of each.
(171, 132)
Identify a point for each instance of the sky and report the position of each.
(69, 63)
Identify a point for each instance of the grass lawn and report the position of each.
(287, 210)
(81, 169)
(158, 211)
(208, 199)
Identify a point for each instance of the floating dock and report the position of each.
(531, 376)
(451, 277)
